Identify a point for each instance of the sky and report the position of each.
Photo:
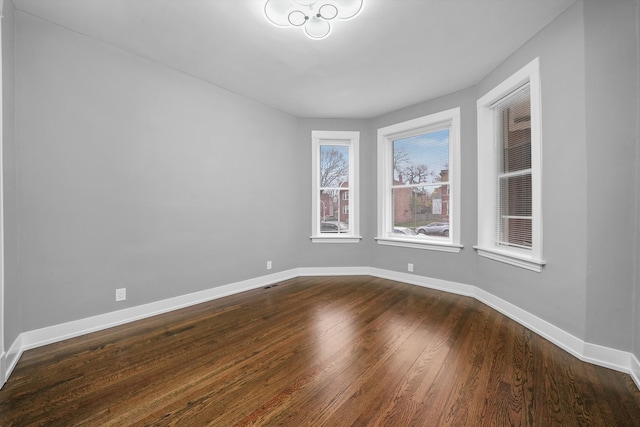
(431, 149)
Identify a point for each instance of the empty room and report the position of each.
(320, 212)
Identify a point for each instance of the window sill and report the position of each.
(515, 259)
(418, 244)
(336, 239)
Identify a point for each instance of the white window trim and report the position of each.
(349, 139)
(386, 136)
(530, 259)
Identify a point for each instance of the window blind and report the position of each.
(514, 195)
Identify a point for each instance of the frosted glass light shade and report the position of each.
(297, 18)
(317, 28)
(328, 11)
(312, 15)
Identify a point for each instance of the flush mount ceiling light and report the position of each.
(312, 15)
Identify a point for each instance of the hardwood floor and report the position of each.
(318, 351)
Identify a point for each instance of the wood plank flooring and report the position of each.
(318, 351)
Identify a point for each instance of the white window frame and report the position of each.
(487, 246)
(350, 139)
(386, 136)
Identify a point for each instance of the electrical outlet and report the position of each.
(269, 266)
(121, 294)
(410, 268)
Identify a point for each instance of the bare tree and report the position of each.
(416, 174)
(334, 168)
(400, 159)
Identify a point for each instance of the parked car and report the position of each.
(435, 228)
(404, 230)
(333, 227)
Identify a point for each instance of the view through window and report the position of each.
(421, 184)
(334, 189)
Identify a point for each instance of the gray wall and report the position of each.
(13, 324)
(612, 90)
(133, 175)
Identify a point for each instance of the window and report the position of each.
(419, 183)
(509, 169)
(335, 187)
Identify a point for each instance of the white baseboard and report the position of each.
(12, 356)
(426, 282)
(607, 357)
(3, 368)
(635, 370)
(334, 271)
(591, 353)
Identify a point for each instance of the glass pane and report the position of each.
(421, 159)
(516, 133)
(334, 166)
(514, 216)
(515, 195)
(423, 210)
(334, 211)
(515, 211)
(516, 232)
(518, 156)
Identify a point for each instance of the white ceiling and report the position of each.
(394, 54)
